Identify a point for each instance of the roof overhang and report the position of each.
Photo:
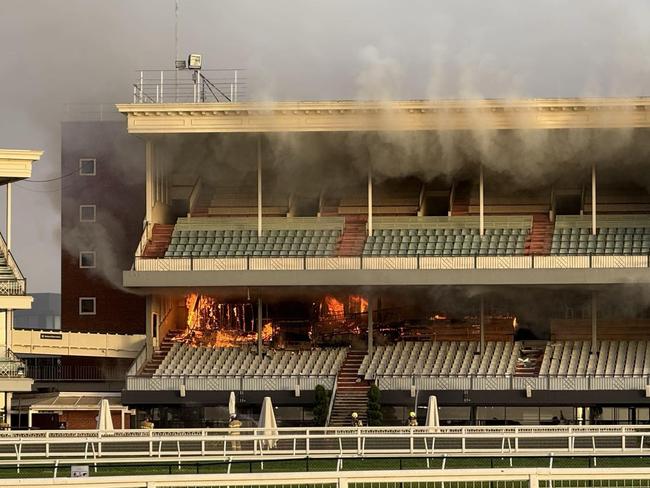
(414, 115)
(16, 164)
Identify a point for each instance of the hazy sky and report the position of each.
(55, 52)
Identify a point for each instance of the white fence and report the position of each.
(228, 383)
(581, 383)
(391, 263)
(33, 447)
(429, 478)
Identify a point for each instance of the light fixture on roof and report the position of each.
(194, 61)
(181, 64)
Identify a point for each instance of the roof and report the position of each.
(390, 115)
(16, 164)
(66, 401)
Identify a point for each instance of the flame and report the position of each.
(212, 324)
(357, 304)
(332, 307)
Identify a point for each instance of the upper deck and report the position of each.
(412, 115)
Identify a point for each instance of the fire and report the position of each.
(331, 307)
(212, 324)
(357, 304)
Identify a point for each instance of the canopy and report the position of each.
(267, 423)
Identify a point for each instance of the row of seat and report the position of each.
(612, 358)
(613, 240)
(183, 359)
(440, 358)
(454, 243)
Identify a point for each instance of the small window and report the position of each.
(87, 213)
(87, 259)
(87, 167)
(87, 306)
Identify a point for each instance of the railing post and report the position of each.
(162, 84)
(141, 84)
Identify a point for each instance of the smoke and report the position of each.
(313, 50)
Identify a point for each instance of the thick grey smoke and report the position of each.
(87, 51)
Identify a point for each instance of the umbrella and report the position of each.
(104, 419)
(267, 422)
(232, 410)
(433, 420)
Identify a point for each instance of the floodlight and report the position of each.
(194, 61)
(181, 64)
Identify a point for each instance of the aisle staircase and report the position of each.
(351, 392)
(161, 236)
(540, 238)
(532, 361)
(354, 236)
(152, 365)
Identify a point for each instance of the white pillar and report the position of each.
(370, 326)
(594, 322)
(259, 185)
(122, 419)
(29, 418)
(593, 198)
(369, 200)
(149, 181)
(260, 345)
(9, 216)
(481, 201)
(482, 324)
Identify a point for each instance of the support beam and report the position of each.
(594, 322)
(149, 181)
(259, 185)
(481, 201)
(593, 198)
(482, 324)
(370, 326)
(9, 216)
(369, 200)
(260, 345)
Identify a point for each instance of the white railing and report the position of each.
(10, 365)
(227, 383)
(144, 238)
(18, 285)
(390, 263)
(342, 478)
(503, 382)
(139, 361)
(92, 446)
(190, 86)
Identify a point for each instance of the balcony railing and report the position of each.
(261, 382)
(10, 365)
(18, 285)
(312, 263)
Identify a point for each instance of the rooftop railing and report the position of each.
(190, 86)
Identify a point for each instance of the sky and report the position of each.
(55, 53)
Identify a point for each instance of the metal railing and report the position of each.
(252, 382)
(190, 86)
(304, 263)
(337, 442)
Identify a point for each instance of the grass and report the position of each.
(303, 465)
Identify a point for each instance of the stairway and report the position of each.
(161, 235)
(152, 365)
(531, 363)
(354, 236)
(540, 237)
(351, 395)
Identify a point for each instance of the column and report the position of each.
(370, 326)
(593, 198)
(260, 345)
(8, 217)
(149, 169)
(482, 324)
(369, 200)
(481, 201)
(594, 322)
(259, 185)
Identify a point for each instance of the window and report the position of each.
(87, 259)
(87, 306)
(87, 213)
(87, 167)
